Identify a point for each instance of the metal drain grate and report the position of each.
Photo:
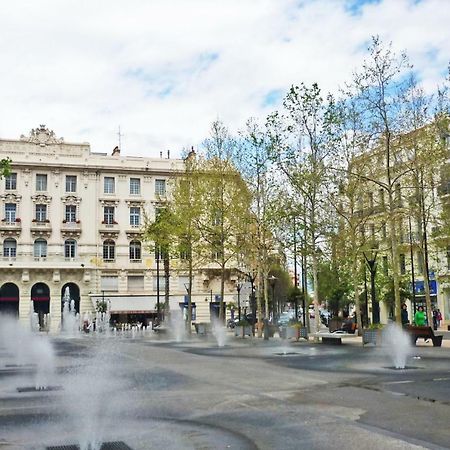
(115, 445)
(403, 368)
(37, 389)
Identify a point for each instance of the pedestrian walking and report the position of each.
(419, 317)
(439, 318)
(404, 313)
(435, 324)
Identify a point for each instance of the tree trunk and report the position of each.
(222, 292)
(424, 249)
(355, 276)
(258, 299)
(189, 312)
(395, 260)
(167, 281)
(316, 292)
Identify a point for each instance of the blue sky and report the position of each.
(165, 69)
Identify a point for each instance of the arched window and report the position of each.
(109, 250)
(135, 250)
(70, 248)
(40, 248)
(9, 248)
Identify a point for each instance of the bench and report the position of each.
(334, 338)
(424, 333)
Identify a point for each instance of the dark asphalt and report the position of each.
(154, 393)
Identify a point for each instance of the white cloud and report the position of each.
(165, 69)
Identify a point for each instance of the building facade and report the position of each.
(72, 218)
(418, 199)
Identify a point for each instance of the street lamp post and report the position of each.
(372, 265)
(272, 281)
(238, 288)
(157, 285)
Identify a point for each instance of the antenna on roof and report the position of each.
(119, 134)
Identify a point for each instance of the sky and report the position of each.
(164, 70)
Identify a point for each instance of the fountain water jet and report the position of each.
(220, 333)
(29, 349)
(177, 327)
(398, 344)
(70, 317)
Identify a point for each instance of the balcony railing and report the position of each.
(15, 224)
(71, 225)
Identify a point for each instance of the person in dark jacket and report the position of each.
(404, 314)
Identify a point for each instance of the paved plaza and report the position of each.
(151, 392)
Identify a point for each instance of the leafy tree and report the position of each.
(255, 166)
(160, 235)
(5, 167)
(301, 143)
(224, 218)
(334, 287)
(379, 89)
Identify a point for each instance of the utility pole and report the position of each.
(295, 271)
(412, 267)
(157, 283)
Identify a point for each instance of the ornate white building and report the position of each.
(72, 217)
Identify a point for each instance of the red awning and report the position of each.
(40, 299)
(9, 299)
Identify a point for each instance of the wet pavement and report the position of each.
(154, 393)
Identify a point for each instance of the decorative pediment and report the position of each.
(11, 198)
(75, 234)
(135, 203)
(109, 202)
(109, 234)
(41, 199)
(42, 136)
(41, 232)
(6, 231)
(71, 200)
(134, 234)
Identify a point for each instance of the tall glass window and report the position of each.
(109, 250)
(70, 248)
(9, 248)
(10, 212)
(135, 186)
(40, 248)
(70, 213)
(71, 183)
(108, 215)
(109, 185)
(41, 213)
(135, 250)
(160, 187)
(135, 216)
(41, 182)
(11, 182)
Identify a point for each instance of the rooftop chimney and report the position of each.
(116, 151)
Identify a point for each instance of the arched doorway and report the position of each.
(9, 299)
(40, 296)
(74, 293)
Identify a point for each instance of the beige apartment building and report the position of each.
(73, 218)
(373, 211)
